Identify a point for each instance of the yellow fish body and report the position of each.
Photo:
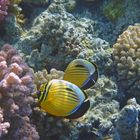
(81, 73)
(62, 98)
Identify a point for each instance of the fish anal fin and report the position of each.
(80, 111)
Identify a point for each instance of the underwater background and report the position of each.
(39, 38)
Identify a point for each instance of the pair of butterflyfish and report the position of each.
(66, 98)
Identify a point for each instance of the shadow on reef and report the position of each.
(89, 3)
(2, 30)
(89, 136)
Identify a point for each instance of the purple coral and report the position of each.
(3, 8)
(3, 125)
(16, 86)
(14, 73)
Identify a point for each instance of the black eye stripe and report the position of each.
(44, 92)
(47, 90)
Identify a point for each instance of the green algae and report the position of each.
(113, 10)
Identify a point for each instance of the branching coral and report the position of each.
(127, 59)
(43, 76)
(16, 85)
(3, 8)
(3, 125)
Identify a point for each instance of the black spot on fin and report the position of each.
(96, 73)
(80, 111)
(89, 83)
(92, 79)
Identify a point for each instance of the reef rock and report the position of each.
(56, 38)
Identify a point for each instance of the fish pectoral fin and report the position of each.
(80, 111)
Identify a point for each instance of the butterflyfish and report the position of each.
(82, 73)
(63, 99)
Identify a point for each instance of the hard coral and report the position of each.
(3, 8)
(16, 85)
(127, 122)
(55, 38)
(3, 125)
(43, 76)
(127, 59)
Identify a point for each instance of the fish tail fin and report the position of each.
(96, 74)
(80, 111)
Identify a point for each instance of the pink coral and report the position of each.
(16, 69)
(3, 125)
(3, 8)
(10, 79)
(16, 86)
(14, 72)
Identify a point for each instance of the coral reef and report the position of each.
(103, 106)
(109, 29)
(3, 8)
(16, 85)
(49, 127)
(14, 8)
(43, 76)
(100, 53)
(3, 125)
(104, 120)
(10, 29)
(37, 2)
(52, 35)
(126, 52)
(56, 32)
(10, 6)
(96, 123)
(127, 121)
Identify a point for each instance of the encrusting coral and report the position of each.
(16, 85)
(126, 52)
(51, 35)
(43, 76)
(127, 121)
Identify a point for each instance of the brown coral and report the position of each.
(127, 58)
